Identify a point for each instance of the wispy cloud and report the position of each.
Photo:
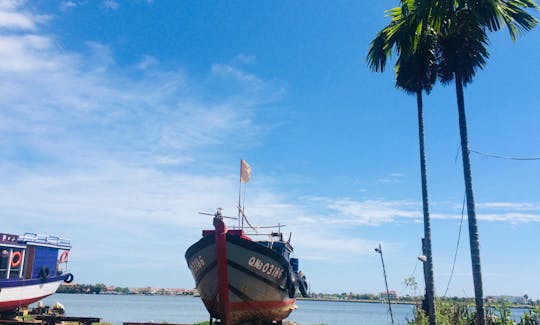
(147, 61)
(11, 17)
(66, 5)
(510, 205)
(392, 178)
(367, 212)
(370, 212)
(111, 4)
(244, 59)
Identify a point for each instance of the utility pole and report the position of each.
(379, 250)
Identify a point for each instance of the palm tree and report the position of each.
(462, 49)
(415, 72)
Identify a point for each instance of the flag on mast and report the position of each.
(245, 171)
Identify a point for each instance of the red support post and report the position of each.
(223, 276)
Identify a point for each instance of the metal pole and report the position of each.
(379, 250)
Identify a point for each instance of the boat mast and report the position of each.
(240, 218)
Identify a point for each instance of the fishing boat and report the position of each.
(32, 267)
(242, 280)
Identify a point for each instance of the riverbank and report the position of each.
(412, 303)
(369, 301)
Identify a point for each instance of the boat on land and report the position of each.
(32, 267)
(244, 280)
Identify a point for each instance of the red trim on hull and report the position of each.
(14, 304)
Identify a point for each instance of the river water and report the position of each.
(117, 309)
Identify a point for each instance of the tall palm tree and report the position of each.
(415, 73)
(462, 28)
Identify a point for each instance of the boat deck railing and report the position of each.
(45, 239)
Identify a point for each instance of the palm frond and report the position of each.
(462, 47)
(378, 52)
(498, 14)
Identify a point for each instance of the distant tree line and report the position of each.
(101, 288)
(83, 288)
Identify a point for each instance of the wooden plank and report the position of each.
(53, 319)
(29, 266)
(16, 322)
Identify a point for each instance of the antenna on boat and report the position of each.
(218, 213)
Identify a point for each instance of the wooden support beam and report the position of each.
(54, 319)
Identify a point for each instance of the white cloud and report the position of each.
(322, 247)
(511, 217)
(510, 205)
(368, 212)
(147, 61)
(26, 53)
(244, 59)
(392, 178)
(111, 4)
(66, 5)
(101, 55)
(15, 20)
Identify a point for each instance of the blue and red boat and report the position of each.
(32, 267)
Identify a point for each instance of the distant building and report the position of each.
(393, 295)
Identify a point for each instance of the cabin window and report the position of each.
(17, 257)
(4, 262)
(11, 263)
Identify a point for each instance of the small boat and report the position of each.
(243, 280)
(32, 267)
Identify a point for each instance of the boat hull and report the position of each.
(259, 281)
(17, 293)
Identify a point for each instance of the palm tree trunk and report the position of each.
(430, 287)
(473, 227)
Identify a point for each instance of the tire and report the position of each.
(69, 278)
(44, 273)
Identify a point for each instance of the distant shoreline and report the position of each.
(102, 289)
(371, 301)
(398, 302)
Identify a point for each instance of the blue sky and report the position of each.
(121, 120)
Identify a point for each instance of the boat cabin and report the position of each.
(32, 256)
(279, 246)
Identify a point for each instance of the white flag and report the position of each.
(245, 171)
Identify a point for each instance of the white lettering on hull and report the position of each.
(265, 268)
(196, 264)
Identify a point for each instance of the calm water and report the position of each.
(186, 309)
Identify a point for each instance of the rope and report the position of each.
(457, 248)
(503, 157)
